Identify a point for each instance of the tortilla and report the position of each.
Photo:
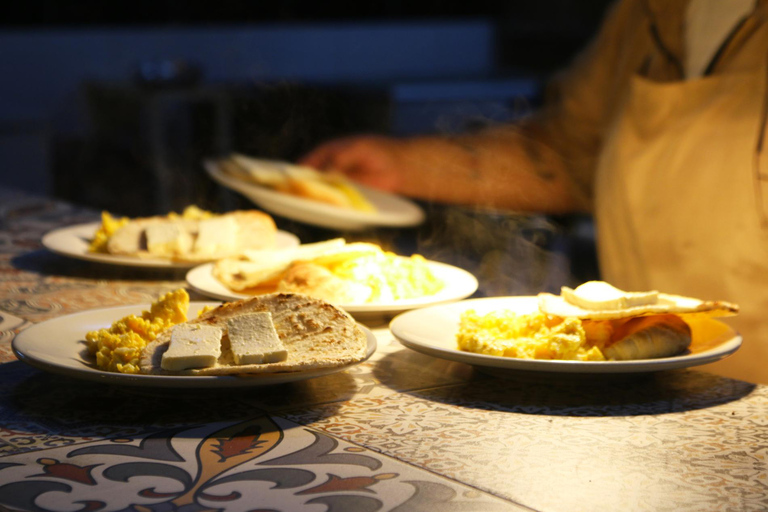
(266, 267)
(556, 305)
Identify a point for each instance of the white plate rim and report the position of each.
(393, 210)
(402, 329)
(459, 285)
(71, 241)
(29, 348)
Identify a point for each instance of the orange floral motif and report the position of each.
(243, 442)
(66, 471)
(228, 448)
(355, 483)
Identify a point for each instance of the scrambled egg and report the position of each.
(533, 336)
(110, 224)
(118, 348)
(389, 276)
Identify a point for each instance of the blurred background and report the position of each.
(114, 106)
(135, 94)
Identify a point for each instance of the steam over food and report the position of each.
(333, 270)
(193, 236)
(594, 322)
(300, 181)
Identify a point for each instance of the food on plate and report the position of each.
(264, 268)
(192, 346)
(598, 300)
(532, 336)
(297, 180)
(118, 348)
(254, 340)
(333, 270)
(195, 235)
(593, 322)
(278, 332)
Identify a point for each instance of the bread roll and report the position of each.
(649, 337)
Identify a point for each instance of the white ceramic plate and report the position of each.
(459, 284)
(73, 241)
(433, 331)
(391, 210)
(58, 346)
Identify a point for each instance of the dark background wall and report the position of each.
(137, 94)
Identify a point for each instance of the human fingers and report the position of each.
(370, 161)
(324, 156)
(367, 159)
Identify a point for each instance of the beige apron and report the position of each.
(681, 206)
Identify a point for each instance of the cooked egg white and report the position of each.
(118, 348)
(389, 276)
(532, 336)
(599, 295)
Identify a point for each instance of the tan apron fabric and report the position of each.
(679, 201)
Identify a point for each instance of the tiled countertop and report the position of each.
(401, 432)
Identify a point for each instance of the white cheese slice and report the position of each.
(599, 295)
(192, 346)
(216, 236)
(167, 239)
(253, 339)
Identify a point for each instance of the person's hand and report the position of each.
(376, 161)
(492, 169)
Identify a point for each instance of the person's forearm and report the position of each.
(499, 169)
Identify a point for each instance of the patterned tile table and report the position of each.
(401, 432)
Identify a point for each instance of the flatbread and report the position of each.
(315, 333)
(556, 305)
(266, 267)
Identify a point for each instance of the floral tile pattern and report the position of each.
(266, 461)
